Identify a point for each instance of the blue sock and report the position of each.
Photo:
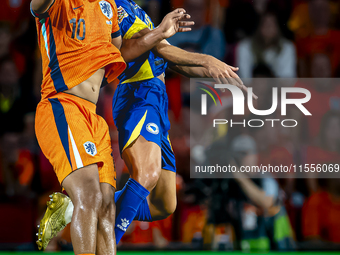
(117, 194)
(128, 202)
(143, 212)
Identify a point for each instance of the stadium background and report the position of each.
(265, 38)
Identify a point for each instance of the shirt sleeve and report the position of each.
(115, 26)
(128, 22)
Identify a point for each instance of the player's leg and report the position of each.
(141, 129)
(78, 161)
(84, 190)
(106, 241)
(53, 134)
(61, 211)
(143, 161)
(137, 119)
(159, 204)
(140, 141)
(162, 201)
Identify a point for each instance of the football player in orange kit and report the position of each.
(79, 42)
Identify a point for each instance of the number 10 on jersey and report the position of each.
(77, 26)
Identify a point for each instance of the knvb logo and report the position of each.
(238, 100)
(90, 148)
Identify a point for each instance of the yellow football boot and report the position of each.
(54, 219)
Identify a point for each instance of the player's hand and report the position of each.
(225, 74)
(175, 22)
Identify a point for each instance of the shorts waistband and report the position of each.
(78, 100)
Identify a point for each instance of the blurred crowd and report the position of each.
(265, 39)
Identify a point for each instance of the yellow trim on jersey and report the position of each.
(144, 73)
(136, 131)
(137, 26)
(170, 143)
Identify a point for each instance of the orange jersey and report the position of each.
(74, 38)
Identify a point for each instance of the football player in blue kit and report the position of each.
(140, 112)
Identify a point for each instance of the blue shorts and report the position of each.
(141, 108)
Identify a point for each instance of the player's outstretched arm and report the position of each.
(146, 39)
(191, 71)
(216, 69)
(41, 6)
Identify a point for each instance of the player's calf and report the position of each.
(83, 187)
(163, 200)
(143, 159)
(106, 219)
(108, 207)
(161, 209)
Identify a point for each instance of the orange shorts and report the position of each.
(72, 136)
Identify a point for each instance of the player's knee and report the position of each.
(148, 176)
(92, 201)
(154, 174)
(95, 200)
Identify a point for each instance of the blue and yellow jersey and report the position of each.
(132, 19)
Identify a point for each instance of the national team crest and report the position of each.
(90, 148)
(106, 9)
(152, 128)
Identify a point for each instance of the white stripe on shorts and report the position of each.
(76, 154)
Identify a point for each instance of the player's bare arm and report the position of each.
(117, 42)
(41, 6)
(218, 70)
(146, 39)
(191, 71)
